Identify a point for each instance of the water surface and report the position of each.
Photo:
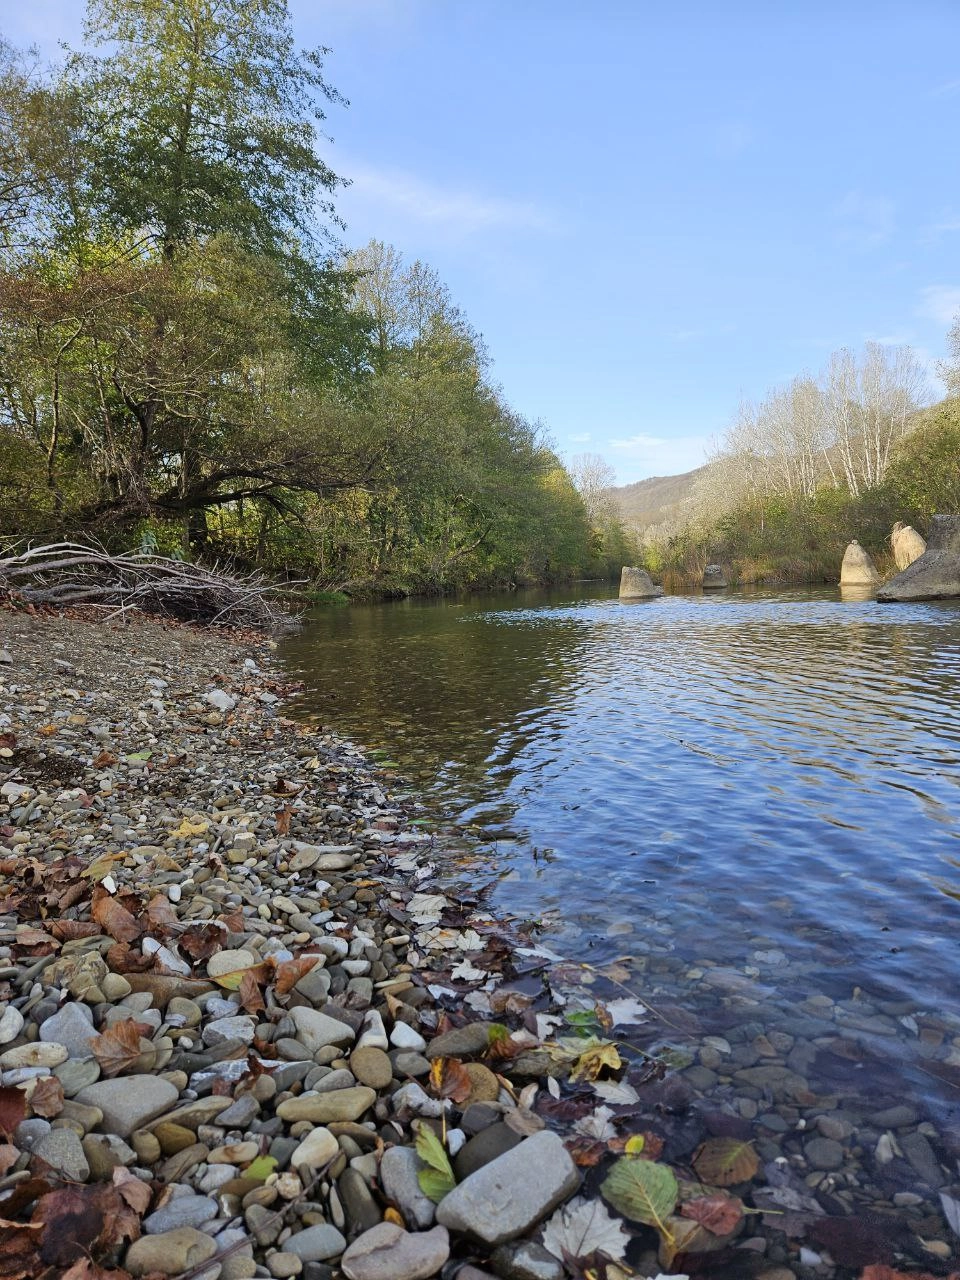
(753, 797)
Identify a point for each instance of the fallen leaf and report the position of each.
(450, 1079)
(289, 973)
(160, 911)
(642, 1191)
(627, 1012)
(583, 1227)
(114, 918)
(719, 1213)
(723, 1162)
(600, 1055)
(46, 1100)
(13, 1109)
(437, 1179)
(137, 1194)
(283, 818)
(9, 1155)
(188, 829)
(87, 1269)
(249, 992)
(597, 1126)
(201, 941)
(70, 930)
(118, 1048)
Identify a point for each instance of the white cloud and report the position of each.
(940, 302)
(949, 89)
(423, 201)
(645, 455)
(863, 220)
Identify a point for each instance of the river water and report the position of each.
(749, 801)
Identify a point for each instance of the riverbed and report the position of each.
(747, 803)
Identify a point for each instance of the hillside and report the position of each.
(655, 500)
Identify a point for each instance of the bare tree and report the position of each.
(593, 478)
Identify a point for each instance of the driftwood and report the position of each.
(67, 573)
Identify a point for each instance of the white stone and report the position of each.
(317, 1148)
(403, 1036)
(220, 700)
(11, 1024)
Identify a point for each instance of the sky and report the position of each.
(651, 211)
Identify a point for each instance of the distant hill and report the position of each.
(656, 500)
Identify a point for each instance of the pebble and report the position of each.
(63, 1152)
(170, 1253)
(399, 1170)
(325, 1108)
(387, 1252)
(128, 1102)
(371, 1066)
(183, 1211)
(316, 1244)
(824, 1153)
(512, 1193)
(316, 1149)
(403, 1036)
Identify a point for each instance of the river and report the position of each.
(749, 803)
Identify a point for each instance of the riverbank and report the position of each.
(254, 936)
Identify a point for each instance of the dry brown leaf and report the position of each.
(69, 930)
(249, 992)
(289, 973)
(719, 1213)
(118, 1048)
(13, 1109)
(47, 1097)
(9, 1155)
(137, 1194)
(284, 816)
(201, 941)
(450, 1079)
(19, 1259)
(723, 1162)
(160, 912)
(87, 1269)
(122, 958)
(114, 918)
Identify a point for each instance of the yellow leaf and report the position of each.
(593, 1060)
(102, 866)
(187, 829)
(635, 1145)
(390, 1215)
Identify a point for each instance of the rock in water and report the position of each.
(714, 579)
(505, 1198)
(635, 584)
(906, 544)
(936, 574)
(858, 569)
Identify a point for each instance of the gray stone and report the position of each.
(823, 1153)
(76, 1073)
(403, 1036)
(232, 1028)
(387, 1252)
(714, 578)
(894, 1117)
(506, 1197)
(919, 1153)
(358, 1203)
(63, 1152)
(487, 1145)
(398, 1173)
(182, 1211)
(316, 1030)
(462, 1042)
(316, 1244)
(72, 1026)
(129, 1101)
(527, 1261)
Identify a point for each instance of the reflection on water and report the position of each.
(766, 783)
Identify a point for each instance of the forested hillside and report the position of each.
(191, 359)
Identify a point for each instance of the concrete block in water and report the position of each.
(936, 575)
(858, 569)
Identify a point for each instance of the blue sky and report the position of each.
(649, 210)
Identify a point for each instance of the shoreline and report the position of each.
(290, 970)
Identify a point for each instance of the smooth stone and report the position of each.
(526, 1261)
(229, 962)
(316, 1149)
(323, 1108)
(282, 1266)
(129, 1101)
(11, 1024)
(919, 1154)
(240, 1113)
(76, 1073)
(63, 1152)
(824, 1153)
(170, 1253)
(35, 1054)
(316, 1244)
(316, 1030)
(487, 1145)
(372, 1067)
(462, 1042)
(387, 1252)
(506, 1197)
(358, 1203)
(72, 1026)
(232, 1028)
(399, 1171)
(403, 1036)
(183, 1211)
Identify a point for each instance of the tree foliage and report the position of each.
(184, 346)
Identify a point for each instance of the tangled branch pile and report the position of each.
(68, 573)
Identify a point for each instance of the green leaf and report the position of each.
(136, 756)
(261, 1168)
(437, 1179)
(642, 1191)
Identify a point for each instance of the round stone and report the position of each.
(371, 1066)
